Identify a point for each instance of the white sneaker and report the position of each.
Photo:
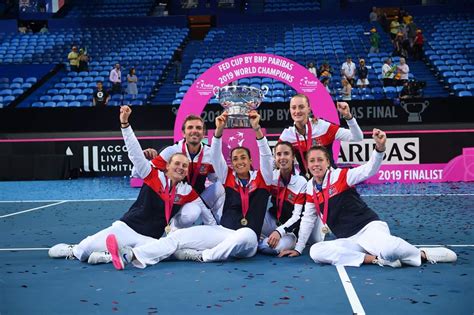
(99, 258)
(120, 256)
(188, 254)
(439, 254)
(62, 251)
(382, 262)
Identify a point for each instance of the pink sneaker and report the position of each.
(120, 256)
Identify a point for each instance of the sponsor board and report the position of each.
(411, 156)
(398, 151)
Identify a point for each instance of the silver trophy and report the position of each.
(238, 100)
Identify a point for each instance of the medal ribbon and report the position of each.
(309, 141)
(280, 198)
(196, 169)
(168, 198)
(244, 198)
(324, 217)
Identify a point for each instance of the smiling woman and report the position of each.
(246, 198)
(162, 197)
(307, 132)
(281, 223)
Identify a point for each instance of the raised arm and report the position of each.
(266, 156)
(369, 169)
(354, 133)
(219, 163)
(135, 153)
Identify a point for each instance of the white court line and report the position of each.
(33, 209)
(69, 200)
(413, 195)
(132, 199)
(350, 292)
(445, 245)
(23, 249)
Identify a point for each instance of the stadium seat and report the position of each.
(114, 103)
(464, 93)
(8, 99)
(6, 92)
(459, 87)
(57, 98)
(82, 98)
(37, 104)
(62, 104)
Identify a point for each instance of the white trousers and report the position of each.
(213, 196)
(287, 241)
(96, 242)
(374, 239)
(216, 242)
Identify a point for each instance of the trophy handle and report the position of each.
(215, 90)
(425, 105)
(264, 90)
(404, 106)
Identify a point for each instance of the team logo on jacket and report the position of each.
(251, 186)
(203, 170)
(291, 197)
(332, 191)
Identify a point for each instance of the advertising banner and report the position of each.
(411, 156)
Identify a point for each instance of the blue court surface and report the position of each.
(36, 215)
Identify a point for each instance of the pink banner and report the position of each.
(257, 65)
(461, 168)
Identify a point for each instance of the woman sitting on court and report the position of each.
(361, 237)
(246, 197)
(162, 196)
(320, 131)
(279, 231)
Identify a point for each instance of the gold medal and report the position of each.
(244, 221)
(325, 229)
(167, 229)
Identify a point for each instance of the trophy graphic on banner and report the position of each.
(238, 100)
(414, 109)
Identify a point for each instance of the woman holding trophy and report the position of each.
(306, 131)
(247, 193)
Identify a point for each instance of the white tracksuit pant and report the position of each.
(96, 242)
(216, 242)
(213, 196)
(287, 241)
(374, 239)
